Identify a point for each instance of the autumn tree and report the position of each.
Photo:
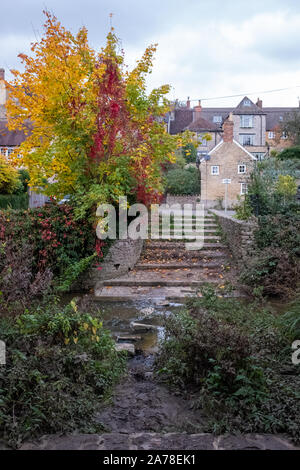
(291, 126)
(91, 128)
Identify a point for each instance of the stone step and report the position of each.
(165, 244)
(181, 254)
(187, 237)
(158, 442)
(158, 282)
(159, 295)
(178, 265)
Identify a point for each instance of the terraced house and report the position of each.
(238, 138)
(256, 128)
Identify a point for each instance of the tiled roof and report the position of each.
(202, 124)
(10, 138)
(273, 116)
(252, 109)
(183, 117)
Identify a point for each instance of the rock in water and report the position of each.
(147, 311)
(141, 327)
(129, 347)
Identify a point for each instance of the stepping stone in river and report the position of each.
(128, 347)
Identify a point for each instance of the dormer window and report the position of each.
(247, 102)
(217, 119)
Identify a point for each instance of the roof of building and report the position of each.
(10, 138)
(246, 106)
(274, 116)
(228, 144)
(184, 116)
(201, 124)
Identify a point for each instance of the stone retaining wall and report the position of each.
(239, 234)
(172, 199)
(121, 258)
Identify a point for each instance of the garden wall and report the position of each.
(120, 259)
(170, 199)
(239, 234)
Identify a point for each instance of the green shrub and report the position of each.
(243, 209)
(183, 181)
(274, 265)
(60, 364)
(292, 153)
(14, 201)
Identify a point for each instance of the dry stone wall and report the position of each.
(239, 234)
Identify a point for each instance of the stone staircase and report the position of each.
(168, 269)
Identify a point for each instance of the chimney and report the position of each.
(2, 74)
(228, 129)
(188, 103)
(259, 103)
(197, 110)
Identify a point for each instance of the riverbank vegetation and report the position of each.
(273, 267)
(60, 366)
(234, 360)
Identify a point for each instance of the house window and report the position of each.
(246, 139)
(271, 135)
(246, 121)
(284, 135)
(244, 188)
(247, 103)
(217, 119)
(280, 118)
(6, 151)
(215, 170)
(241, 169)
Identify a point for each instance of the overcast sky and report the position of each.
(207, 48)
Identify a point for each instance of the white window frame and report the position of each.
(284, 136)
(246, 121)
(239, 169)
(271, 135)
(212, 170)
(7, 151)
(243, 136)
(244, 191)
(247, 103)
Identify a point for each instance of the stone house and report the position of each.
(228, 160)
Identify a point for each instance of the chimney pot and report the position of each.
(228, 129)
(188, 103)
(259, 103)
(2, 74)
